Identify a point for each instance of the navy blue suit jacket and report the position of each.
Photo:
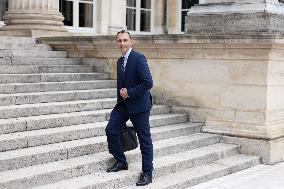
(138, 82)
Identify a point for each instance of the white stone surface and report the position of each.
(50, 77)
(244, 97)
(55, 86)
(258, 177)
(237, 6)
(175, 134)
(173, 163)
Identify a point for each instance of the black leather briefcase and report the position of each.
(128, 138)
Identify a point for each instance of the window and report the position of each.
(3, 8)
(85, 14)
(66, 8)
(77, 13)
(139, 15)
(131, 15)
(185, 6)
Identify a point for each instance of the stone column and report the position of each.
(173, 10)
(117, 16)
(158, 16)
(33, 18)
(111, 16)
(245, 38)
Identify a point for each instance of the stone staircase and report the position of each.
(53, 112)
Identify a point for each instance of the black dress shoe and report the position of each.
(118, 166)
(144, 179)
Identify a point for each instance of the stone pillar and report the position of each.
(111, 16)
(173, 10)
(246, 38)
(33, 18)
(158, 16)
(117, 16)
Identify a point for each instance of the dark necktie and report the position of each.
(122, 68)
(122, 64)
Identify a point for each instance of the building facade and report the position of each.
(108, 16)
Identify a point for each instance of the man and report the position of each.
(134, 102)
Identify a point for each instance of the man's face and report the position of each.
(123, 42)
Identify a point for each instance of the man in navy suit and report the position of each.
(134, 102)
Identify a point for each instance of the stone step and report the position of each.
(10, 88)
(65, 169)
(28, 46)
(28, 69)
(32, 138)
(43, 61)
(4, 61)
(32, 53)
(50, 77)
(26, 110)
(163, 165)
(17, 40)
(51, 121)
(65, 119)
(58, 96)
(203, 173)
(20, 158)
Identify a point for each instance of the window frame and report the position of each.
(75, 27)
(138, 17)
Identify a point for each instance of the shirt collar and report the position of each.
(127, 53)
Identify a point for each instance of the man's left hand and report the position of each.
(123, 93)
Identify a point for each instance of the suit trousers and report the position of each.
(119, 116)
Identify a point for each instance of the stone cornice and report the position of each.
(155, 45)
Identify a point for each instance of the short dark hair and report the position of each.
(123, 31)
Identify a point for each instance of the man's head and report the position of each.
(123, 41)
